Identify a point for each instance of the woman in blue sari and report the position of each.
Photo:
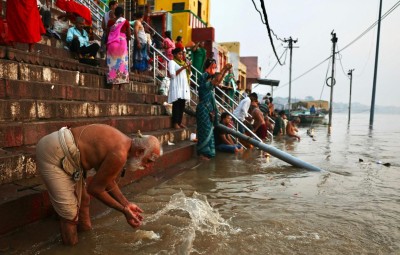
(206, 110)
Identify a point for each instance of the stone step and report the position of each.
(28, 110)
(51, 61)
(135, 92)
(13, 70)
(47, 46)
(57, 49)
(15, 134)
(58, 60)
(26, 201)
(37, 72)
(61, 62)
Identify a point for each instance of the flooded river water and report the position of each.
(246, 204)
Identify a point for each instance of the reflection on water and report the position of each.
(250, 204)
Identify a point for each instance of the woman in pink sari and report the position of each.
(168, 45)
(119, 34)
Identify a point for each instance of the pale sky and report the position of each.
(311, 22)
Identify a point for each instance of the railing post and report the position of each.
(154, 66)
(130, 54)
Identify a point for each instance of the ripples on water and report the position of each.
(250, 204)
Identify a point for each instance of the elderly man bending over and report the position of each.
(65, 156)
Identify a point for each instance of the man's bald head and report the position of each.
(144, 151)
(148, 144)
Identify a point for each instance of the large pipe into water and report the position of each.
(270, 149)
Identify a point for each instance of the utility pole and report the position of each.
(332, 78)
(350, 74)
(290, 41)
(371, 116)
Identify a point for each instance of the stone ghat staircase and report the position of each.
(42, 92)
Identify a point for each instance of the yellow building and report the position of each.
(186, 15)
(239, 69)
(242, 70)
(194, 15)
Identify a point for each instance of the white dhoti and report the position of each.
(55, 167)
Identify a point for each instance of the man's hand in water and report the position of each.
(132, 214)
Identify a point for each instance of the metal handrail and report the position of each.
(194, 70)
(195, 92)
(155, 65)
(232, 115)
(97, 10)
(97, 14)
(197, 72)
(152, 29)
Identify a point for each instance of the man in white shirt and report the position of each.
(140, 44)
(241, 111)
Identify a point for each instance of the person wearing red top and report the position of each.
(74, 10)
(24, 22)
(3, 35)
(179, 45)
(178, 42)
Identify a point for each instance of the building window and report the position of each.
(178, 6)
(199, 9)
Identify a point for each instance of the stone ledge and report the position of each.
(134, 93)
(19, 163)
(36, 110)
(14, 134)
(61, 62)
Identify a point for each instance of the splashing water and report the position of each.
(203, 218)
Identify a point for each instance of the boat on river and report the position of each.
(309, 118)
(320, 108)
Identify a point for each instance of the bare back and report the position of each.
(291, 130)
(99, 144)
(258, 117)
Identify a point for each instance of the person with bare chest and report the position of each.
(259, 126)
(63, 159)
(291, 128)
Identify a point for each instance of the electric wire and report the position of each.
(348, 45)
(262, 20)
(372, 26)
(277, 38)
(255, 7)
(310, 70)
(269, 30)
(372, 41)
(285, 51)
(362, 34)
(359, 74)
(322, 90)
(339, 57)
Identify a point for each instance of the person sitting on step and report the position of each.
(78, 41)
(223, 141)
